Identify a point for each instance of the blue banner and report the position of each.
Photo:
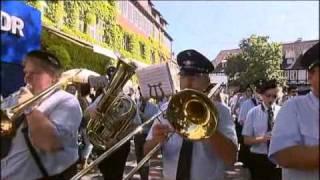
(20, 30)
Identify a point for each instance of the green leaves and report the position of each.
(69, 15)
(72, 55)
(259, 59)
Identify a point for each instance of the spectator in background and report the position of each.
(290, 93)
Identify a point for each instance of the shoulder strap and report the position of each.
(33, 152)
(254, 101)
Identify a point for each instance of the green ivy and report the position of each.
(70, 12)
(62, 54)
(72, 55)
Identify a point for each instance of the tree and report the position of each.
(258, 59)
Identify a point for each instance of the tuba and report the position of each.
(115, 110)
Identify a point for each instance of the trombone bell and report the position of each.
(192, 115)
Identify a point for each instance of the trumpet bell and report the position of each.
(192, 115)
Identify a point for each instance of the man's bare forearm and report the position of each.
(149, 145)
(299, 157)
(42, 132)
(224, 148)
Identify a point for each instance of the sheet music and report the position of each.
(153, 75)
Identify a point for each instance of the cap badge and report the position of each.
(188, 62)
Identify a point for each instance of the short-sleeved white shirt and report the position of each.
(256, 124)
(296, 124)
(64, 111)
(244, 109)
(206, 165)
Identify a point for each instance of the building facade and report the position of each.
(143, 18)
(133, 28)
(294, 73)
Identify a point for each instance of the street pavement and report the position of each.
(237, 172)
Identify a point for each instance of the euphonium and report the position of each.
(116, 111)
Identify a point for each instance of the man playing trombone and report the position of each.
(198, 160)
(45, 143)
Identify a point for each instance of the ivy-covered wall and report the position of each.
(67, 16)
(73, 55)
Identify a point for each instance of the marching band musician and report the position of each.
(257, 132)
(202, 160)
(45, 144)
(251, 102)
(112, 167)
(295, 137)
(145, 110)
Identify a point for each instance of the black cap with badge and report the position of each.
(191, 61)
(310, 59)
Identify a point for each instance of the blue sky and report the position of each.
(210, 26)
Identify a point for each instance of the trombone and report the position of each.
(190, 112)
(10, 114)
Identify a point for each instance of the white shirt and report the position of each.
(64, 111)
(256, 124)
(206, 165)
(297, 124)
(244, 109)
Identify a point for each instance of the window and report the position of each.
(126, 43)
(290, 61)
(286, 74)
(92, 30)
(167, 42)
(130, 12)
(99, 30)
(153, 60)
(81, 21)
(142, 50)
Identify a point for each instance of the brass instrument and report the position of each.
(9, 114)
(191, 114)
(116, 111)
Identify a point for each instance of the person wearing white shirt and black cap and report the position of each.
(200, 160)
(45, 143)
(295, 137)
(257, 132)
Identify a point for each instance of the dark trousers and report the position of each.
(65, 175)
(112, 167)
(139, 141)
(244, 153)
(263, 169)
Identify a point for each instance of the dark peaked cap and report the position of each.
(191, 61)
(311, 58)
